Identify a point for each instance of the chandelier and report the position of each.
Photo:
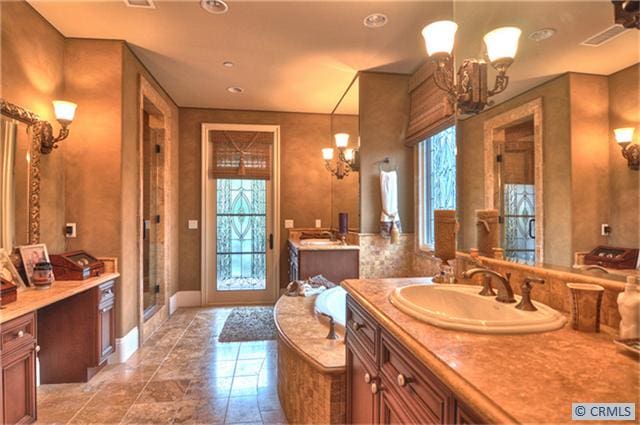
(347, 160)
(470, 92)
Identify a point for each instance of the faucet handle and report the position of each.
(525, 303)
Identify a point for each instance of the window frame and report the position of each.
(423, 196)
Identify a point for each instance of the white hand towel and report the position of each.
(389, 197)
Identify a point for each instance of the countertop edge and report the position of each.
(77, 287)
(310, 360)
(464, 390)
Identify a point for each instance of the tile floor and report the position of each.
(182, 375)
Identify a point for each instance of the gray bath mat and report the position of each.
(249, 324)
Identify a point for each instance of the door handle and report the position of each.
(531, 228)
(271, 241)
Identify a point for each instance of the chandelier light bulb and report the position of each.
(342, 140)
(327, 154)
(439, 37)
(502, 43)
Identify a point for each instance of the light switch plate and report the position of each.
(318, 223)
(288, 224)
(193, 224)
(605, 230)
(70, 230)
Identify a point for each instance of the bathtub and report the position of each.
(334, 303)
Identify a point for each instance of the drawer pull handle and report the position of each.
(37, 348)
(375, 388)
(20, 334)
(367, 378)
(356, 326)
(402, 380)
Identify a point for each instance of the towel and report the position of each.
(306, 288)
(389, 218)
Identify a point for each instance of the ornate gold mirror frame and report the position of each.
(35, 126)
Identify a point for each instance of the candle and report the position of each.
(343, 220)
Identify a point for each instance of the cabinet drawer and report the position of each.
(106, 292)
(18, 332)
(362, 328)
(423, 393)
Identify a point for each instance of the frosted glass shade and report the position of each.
(65, 111)
(439, 37)
(348, 154)
(624, 135)
(327, 154)
(342, 140)
(502, 43)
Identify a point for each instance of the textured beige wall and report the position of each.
(557, 172)
(305, 191)
(624, 111)
(32, 76)
(384, 111)
(589, 159)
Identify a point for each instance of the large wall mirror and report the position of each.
(545, 156)
(345, 191)
(19, 178)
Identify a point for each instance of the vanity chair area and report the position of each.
(354, 212)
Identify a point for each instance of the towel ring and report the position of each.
(386, 161)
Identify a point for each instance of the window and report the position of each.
(437, 180)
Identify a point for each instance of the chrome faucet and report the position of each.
(505, 292)
(591, 267)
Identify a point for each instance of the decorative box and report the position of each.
(613, 258)
(76, 265)
(8, 292)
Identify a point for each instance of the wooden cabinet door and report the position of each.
(361, 402)
(391, 411)
(106, 331)
(19, 386)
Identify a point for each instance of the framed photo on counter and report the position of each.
(32, 255)
(8, 271)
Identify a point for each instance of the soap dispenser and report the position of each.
(629, 307)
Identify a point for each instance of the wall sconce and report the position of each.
(470, 93)
(630, 150)
(348, 158)
(65, 112)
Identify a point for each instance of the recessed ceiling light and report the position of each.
(228, 64)
(217, 7)
(375, 20)
(235, 90)
(542, 34)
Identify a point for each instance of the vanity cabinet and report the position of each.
(18, 380)
(334, 264)
(386, 384)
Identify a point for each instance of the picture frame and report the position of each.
(8, 271)
(31, 255)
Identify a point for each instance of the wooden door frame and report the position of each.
(207, 213)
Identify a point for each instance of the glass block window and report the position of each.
(241, 234)
(437, 180)
(519, 222)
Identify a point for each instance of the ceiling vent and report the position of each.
(145, 4)
(604, 36)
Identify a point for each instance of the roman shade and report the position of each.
(241, 154)
(430, 108)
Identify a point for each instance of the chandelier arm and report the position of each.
(500, 85)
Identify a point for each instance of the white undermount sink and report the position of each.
(319, 242)
(460, 307)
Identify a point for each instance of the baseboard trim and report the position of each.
(126, 346)
(173, 304)
(185, 299)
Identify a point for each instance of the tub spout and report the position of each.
(332, 327)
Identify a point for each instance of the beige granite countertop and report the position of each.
(296, 243)
(32, 299)
(510, 378)
(300, 327)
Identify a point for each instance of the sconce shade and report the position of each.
(342, 140)
(327, 154)
(439, 37)
(624, 135)
(348, 154)
(502, 43)
(65, 111)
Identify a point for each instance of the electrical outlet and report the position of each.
(193, 224)
(70, 230)
(288, 224)
(605, 230)
(318, 223)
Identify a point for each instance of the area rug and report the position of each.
(249, 324)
